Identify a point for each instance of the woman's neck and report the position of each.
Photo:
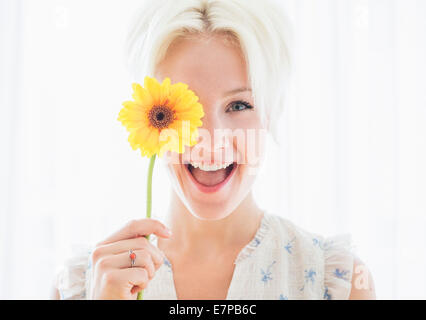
(191, 234)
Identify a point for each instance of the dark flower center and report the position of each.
(160, 117)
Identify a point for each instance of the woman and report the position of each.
(219, 244)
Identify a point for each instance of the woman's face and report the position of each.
(231, 135)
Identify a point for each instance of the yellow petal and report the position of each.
(141, 95)
(165, 91)
(153, 88)
(186, 103)
(142, 135)
(131, 105)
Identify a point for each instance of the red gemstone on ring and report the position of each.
(133, 256)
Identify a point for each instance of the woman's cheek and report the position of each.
(254, 149)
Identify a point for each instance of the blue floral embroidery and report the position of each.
(302, 288)
(266, 276)
(310, 275)
(341, 274)
(324, 245)
(289, 245)
(256, 242)
(283, 297)
(327, 295)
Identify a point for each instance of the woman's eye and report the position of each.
(239, 106)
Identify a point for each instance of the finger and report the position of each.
(122, 261)
(137, 228)
(123, 246)
(129, 277)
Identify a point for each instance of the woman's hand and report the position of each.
(112, 275)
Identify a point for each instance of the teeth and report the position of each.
(207, 167)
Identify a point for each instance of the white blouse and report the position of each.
(282, 261)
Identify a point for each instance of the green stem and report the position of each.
(148, 200)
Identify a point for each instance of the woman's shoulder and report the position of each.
(330, 257)
(72, 278)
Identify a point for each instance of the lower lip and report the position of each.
(216, 187)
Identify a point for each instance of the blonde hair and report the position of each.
(260, 28)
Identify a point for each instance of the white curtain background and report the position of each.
(352, 158)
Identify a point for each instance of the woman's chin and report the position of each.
(209, 213)
(210, 207)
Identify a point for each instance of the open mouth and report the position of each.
(210, 178)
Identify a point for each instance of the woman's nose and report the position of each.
(217, 144)
(211, 120)
(214, 151)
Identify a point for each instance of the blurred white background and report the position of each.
(353, 149)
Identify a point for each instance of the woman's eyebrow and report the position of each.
(243, 89)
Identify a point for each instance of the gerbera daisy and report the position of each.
(158, 116)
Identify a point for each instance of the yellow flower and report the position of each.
(162, 117)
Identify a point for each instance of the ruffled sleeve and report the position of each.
(73, 279)
(338, 267)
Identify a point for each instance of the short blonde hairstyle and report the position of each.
(260, 27)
